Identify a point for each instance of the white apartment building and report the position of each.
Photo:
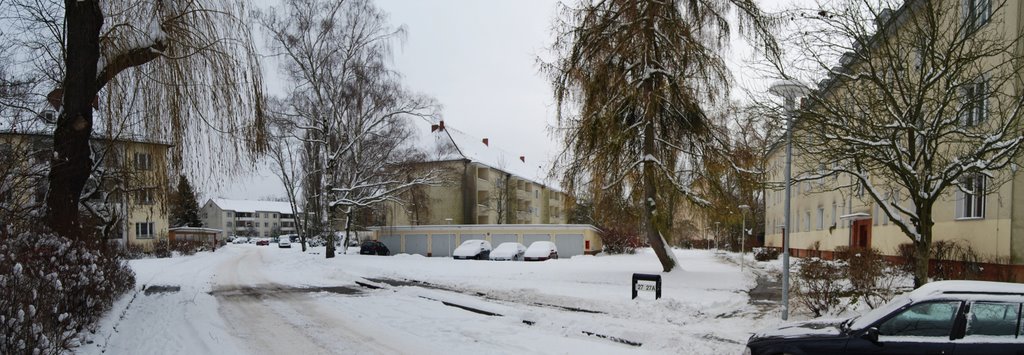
(248, 217)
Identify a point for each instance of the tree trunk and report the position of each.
(70, 163)
(923, 248)
(650, 197)
(348, 226)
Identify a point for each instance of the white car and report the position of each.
(540, 251)
(284, 242)
(240, 240)
(508, 251)
(473, 249)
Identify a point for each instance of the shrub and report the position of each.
(620, 241)
(871, 276)
(955, 260)
(766, 253)
(187, 247)
(818, 285)
(52, 288)
(161, 248)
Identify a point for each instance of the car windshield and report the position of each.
(863, 321)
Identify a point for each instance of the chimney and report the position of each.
(440, 125)
(522, 158)
(486, 142)
(433, 128)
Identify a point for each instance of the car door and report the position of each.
(922, 328)
(992, 328)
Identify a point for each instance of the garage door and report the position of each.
(466, 237)
(393, 242)
(442, 244)
(416, 244)
(569, 245)
(497, 239)
(530, 238)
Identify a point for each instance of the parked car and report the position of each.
(473, 249)
(263, 241)
(284, 242)
(508, 251)
(240, 240)
(374, 247)
(540, 251)
(942, 317)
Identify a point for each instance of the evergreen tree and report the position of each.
(184, 206)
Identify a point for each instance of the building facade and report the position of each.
(985, 213)
(481, 184)
(248, 217)
(124, 200)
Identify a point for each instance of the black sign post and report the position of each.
(647, 277)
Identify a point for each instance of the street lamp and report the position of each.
(789, 91)
(716, 235)
(743, 235)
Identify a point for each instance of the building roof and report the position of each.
(253, 206)
(441, 142)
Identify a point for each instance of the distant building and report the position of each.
(248, 217)
(483, 185)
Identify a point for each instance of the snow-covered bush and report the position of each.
(52, 288)
(620, 241)
(766, 253)
(872, 279)
(818, 285)
(951, 260)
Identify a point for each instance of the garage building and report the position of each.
(441, 240)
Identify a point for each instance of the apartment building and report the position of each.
(483, 184)
(124, 199)
(248, 217)
(985, 211)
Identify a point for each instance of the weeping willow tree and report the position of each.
(180, 71)
(631, 83)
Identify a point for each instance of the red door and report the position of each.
(861, 231)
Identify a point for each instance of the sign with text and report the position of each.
(647, 283)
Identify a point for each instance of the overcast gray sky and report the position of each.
(478, 59)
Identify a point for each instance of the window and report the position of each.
(993, 319)
(970, 198)
(275, 215)
(975, 103)
(821, 219)
(976, 13)
(227, 214)
(807, 221)
(144, 230)
(265, 224)
(932, 319)
(143, 161)
(145, 196)
(833, 214)
(228, 224)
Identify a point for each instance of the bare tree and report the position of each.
(925, 101)
(631, 83)
(349, 106)
(205, 79)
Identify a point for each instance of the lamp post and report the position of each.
(789, 91)
(743, 235)
(716, 235)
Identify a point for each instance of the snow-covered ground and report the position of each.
(266, 300)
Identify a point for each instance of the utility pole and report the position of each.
(743, 235)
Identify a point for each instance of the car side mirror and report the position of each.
(870, 334)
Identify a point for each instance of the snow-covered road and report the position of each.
(265, 300)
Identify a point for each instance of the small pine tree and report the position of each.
(184, 206)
